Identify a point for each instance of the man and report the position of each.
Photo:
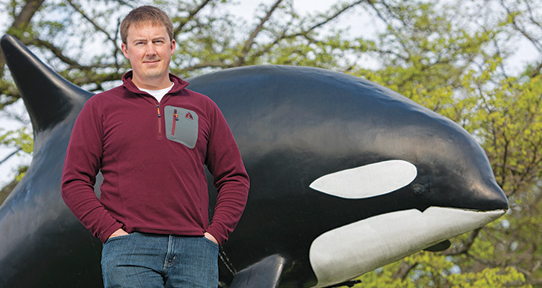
(150, 138)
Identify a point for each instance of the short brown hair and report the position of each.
(144, 14)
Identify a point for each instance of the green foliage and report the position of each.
(449, 56)
(20, 138)
(428, 269)
(463, 81)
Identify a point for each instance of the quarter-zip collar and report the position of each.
(178, 83)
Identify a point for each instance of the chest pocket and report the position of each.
(181, 125)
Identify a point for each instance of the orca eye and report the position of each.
(367, 181)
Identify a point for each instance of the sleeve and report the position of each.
(230, 178)
(81, 165)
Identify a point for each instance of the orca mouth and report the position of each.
(354, 249)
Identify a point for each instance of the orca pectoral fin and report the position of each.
(439, 246)
(263, 274)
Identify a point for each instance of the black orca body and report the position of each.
(346, 176)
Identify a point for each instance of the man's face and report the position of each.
(149, 50)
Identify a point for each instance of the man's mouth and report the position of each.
(151, 61)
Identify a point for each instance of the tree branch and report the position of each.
(98, 28)
(521, 30)
(213, 64)
(304, 33)
(20, 23)
(22, 20)
(191, 15)
(466, 245)
(404, 269)
(337, 14)
(250, 41)
(51, 47)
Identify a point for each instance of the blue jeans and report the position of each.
(150, 260)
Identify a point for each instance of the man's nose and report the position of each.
(150, 49)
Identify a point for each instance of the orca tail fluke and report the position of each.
(48, 97)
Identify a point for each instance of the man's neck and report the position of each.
(158, 84)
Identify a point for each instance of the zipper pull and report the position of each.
(175, 119)
(159, 122)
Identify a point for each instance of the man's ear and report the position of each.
(172, 46)
(124, 49)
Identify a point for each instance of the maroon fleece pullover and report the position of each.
(152, 158)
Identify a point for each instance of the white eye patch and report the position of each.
(367, 181)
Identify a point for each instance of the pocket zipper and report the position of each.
(175, 119)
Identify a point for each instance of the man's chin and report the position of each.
(153, 75)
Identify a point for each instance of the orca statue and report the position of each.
(346, 176)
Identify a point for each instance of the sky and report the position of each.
(358, 24)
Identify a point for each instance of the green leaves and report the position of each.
(20, 139)
(452, 57)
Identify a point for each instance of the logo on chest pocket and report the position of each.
(181, 126)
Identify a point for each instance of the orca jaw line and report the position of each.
(357, 248)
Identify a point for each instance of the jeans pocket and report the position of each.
(210, 241)
(117, 238)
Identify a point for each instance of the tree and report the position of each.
(449, 56)
(459, 72)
